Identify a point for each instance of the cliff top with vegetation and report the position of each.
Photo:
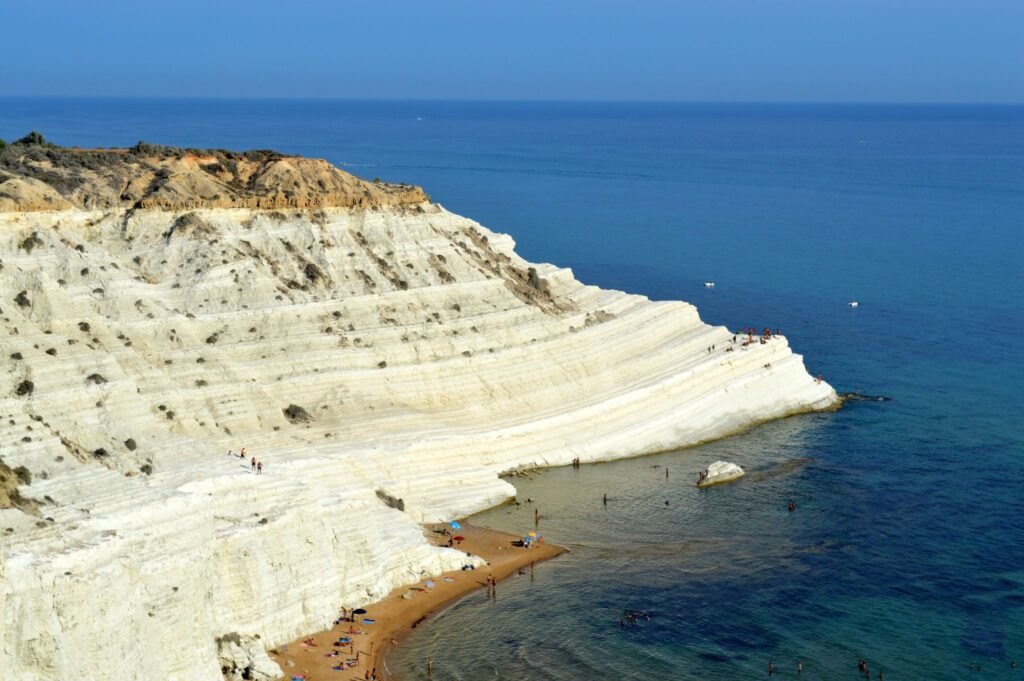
(37, 175)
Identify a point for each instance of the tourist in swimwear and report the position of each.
(259, 468)
(253, 463)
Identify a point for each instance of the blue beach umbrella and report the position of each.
(455, 525)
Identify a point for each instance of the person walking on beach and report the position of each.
(253, 463)
(666, 472)
(536, 517)
(604, 499)
(259, 468)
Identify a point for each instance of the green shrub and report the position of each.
(33, 138)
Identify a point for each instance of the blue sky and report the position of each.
(691, 50)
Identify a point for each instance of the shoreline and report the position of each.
(395, 617)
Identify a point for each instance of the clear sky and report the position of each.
(704, 50)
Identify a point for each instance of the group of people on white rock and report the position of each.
(256, 466)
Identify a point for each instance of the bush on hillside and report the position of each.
(34, 138)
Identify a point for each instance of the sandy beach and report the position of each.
(394, 617)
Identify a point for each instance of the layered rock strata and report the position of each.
(385, 359)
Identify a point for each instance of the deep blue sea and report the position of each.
(907, 546)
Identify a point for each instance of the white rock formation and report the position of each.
(719, 472)
(400, 350)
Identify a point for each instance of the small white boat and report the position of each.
(721, 472)
(853, 303)
(709, 284)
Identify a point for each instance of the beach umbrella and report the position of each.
(455, 525)
(359, 611)
(531, 534)
(458, 537)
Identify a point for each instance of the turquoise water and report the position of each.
(907, 547)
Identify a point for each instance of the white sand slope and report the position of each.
(425, 358)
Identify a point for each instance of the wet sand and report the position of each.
(395, 617)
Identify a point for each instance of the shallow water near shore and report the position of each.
(907, 546)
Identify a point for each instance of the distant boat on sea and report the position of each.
(853, 303)
(709, 284)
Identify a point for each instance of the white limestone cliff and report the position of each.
(364, 354)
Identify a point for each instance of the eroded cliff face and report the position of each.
(366, 352)
(38, 177)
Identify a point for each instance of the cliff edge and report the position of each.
(385, 359)
(36, 175)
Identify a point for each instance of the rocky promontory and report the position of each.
(384, 358)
